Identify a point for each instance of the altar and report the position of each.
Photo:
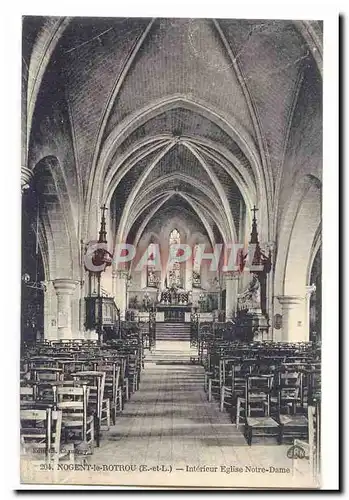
(173, 313)
(174, 305)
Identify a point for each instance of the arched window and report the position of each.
(175, 237)
(174, 278)
(151, 269)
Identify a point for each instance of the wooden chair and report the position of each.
(84, 363)
(45, 378)
(290, 380)
(98, 404)
(44, 374)
(300, 370)
(292, 420)
(73, 402)
(68, 365)
(240, 374)
(27, 395)
(41, 431)
(258, 391)
(207, 376)
(41, 362)
(215, 378)
(113, 386)
(124, 380)
(133, 372)
(228, 372)
(208, 362)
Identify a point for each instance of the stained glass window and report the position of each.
(175, 237)
(174, 273)
(151, 275)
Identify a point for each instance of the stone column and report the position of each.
(64, 290)
(26, 178)
(270, 245)
(120, 278)
(309, 290)
(231, 294)
(188, 279)
(293, 328)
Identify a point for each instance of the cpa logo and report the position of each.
(296, 451)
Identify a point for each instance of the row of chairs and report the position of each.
(70, 391)
(267, 387)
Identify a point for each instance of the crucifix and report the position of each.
(104, 209)
(254, 233)
(103, 232)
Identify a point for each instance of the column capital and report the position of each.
(26, 178)
(65, 285)
(290, 300)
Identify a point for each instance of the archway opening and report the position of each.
(33, 274)
(315, 304)
(174, 274)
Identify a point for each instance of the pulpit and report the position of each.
(252, 317)
(101, 312)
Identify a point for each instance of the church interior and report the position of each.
(140, 136)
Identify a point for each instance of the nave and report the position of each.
(169, 427)
(171, 422)
(169, 193)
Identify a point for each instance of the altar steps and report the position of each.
(173, 332)
(172, 353)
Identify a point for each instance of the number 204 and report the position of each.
(46, 467)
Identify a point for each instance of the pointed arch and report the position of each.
(243, 140)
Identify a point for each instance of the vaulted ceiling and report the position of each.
(152, 114)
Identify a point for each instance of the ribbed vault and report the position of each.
(148, 114)
(168, 166)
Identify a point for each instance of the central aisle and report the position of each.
(169, 420)
(168, 430)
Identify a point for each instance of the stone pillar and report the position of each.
(26, 178)
(188, 279)
(293, 328)
(231, 294)
(50, 312)
(64, 289)
(309, 290)
(270, 245)
(120, 278)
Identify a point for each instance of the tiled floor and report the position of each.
(169, 423)
(170, 420)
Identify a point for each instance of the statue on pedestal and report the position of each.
(255, 290)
